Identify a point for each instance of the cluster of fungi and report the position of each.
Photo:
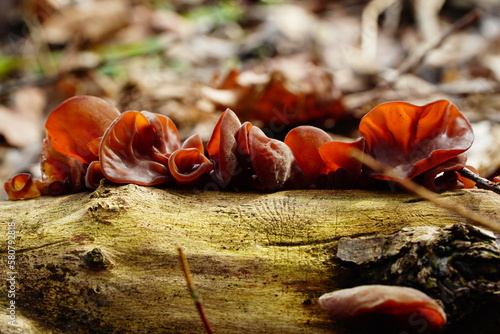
(88, 139)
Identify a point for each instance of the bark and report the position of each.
(457, 265)
(106, 262)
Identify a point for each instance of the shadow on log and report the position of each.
(106, 262)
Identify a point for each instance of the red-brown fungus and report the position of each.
(93, 146)
(22, 186)
(76, 123)
(444, 176)
(60, 174)
(222, 145)
(246, 177)
(94, 175)
(305, 141)
(136, 146)
(413, 139)
(188, 164)
(400, 308)
(73, 131)
(243, 150)
(342, 169)
(194, 142)
(273, 162)
(87, 140)
(467, 183)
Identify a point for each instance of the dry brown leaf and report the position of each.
(90, 20)
(21, 123)
(169, 21)
(290, 91)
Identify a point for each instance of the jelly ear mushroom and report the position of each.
(222, 146)
(338, 161)
(389, 308)
(94, 175)
(273, 162)
(243, 150)
(136, 147)
(74, 130)
(305, 141)
(412, 139)
(22, 186)
(448, 177)
(193, 141)
(188, 165)
(76, 123)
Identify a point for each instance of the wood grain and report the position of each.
(259, 260)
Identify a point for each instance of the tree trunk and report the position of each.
(106, 262)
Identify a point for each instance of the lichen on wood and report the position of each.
(260, 260)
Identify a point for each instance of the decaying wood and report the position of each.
(458, 265)
(108, 261)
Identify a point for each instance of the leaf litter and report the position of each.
(274, 63)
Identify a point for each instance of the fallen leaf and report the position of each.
(91, 20)
(21, 123)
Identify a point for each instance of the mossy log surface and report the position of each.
(107, 262)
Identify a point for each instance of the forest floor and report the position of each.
(191, 59)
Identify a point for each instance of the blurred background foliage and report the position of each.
(324, 63)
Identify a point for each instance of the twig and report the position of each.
(424, 192)
(12, 85)
(481, 182)
(417, 57)
(413, 61)
(369, 27)
(194, 294)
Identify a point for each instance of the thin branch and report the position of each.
(194, 294)
(424, 192)
(415, 59)
(481, 182)
(409, 64)
(15, 84)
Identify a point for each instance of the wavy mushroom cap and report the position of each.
(136, 148)
(413, 139)
(76, 123)
(305, 141)
(222, 146)
(400, 305)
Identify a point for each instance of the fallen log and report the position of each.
(107, 261)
